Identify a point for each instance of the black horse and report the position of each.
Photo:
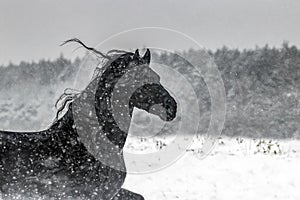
(56, 164)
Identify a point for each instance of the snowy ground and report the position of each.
(235, 169)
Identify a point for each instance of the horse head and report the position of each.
(139, 87)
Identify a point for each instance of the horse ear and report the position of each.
(136, 54)
(147, 56)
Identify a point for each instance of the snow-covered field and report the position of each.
(236, 169)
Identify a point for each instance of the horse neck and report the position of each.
(116, 130)
(93, 110)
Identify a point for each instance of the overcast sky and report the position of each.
(33, 29)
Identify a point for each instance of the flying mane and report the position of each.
(105, 61)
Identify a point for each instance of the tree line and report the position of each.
(262, 86)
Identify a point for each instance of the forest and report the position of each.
(262, 89)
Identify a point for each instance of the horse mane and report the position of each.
(105, 60)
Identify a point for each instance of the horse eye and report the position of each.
(127, 78)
